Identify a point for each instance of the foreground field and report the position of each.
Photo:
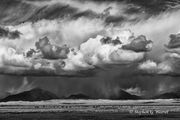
(90, 109)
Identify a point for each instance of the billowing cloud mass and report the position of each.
(4, 32)
(85, 38)
(156, 68)
(139, 44)
(50, 51)
(9, 57)
(108, 50)
(174, 41)
(169, 63)
(91, 46)
(94, 52)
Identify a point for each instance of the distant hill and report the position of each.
(78, 96)
(171, 94)
(36, 94)
(122, 95)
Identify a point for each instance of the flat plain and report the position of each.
(91, 110)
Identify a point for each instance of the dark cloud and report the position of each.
(104, 83)
(115, 19)
(5, 33)
(52, 12)
(87, 13)
(50, 51)
(152, 7)
(18, 11)
(174, 41)
(28, 11)
(139, 44)
(108, 40)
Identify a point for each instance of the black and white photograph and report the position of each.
(89, 59)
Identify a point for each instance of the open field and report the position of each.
(90, 109)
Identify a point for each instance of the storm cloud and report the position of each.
(91, 46)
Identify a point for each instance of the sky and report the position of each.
(95, 47)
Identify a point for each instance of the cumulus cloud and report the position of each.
(60, 32)
(106, 50)
(156, 68)
(30, 53)
(170, 59)
(10, 57)
(174, 41)
(90, 43)
(150, 66)
(53, 59)
(169, 63)
(6, 33)
(139, 44)
(173, 47)
(50, 51)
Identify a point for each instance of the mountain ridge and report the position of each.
(35, 94)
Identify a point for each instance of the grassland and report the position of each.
(91, 109)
